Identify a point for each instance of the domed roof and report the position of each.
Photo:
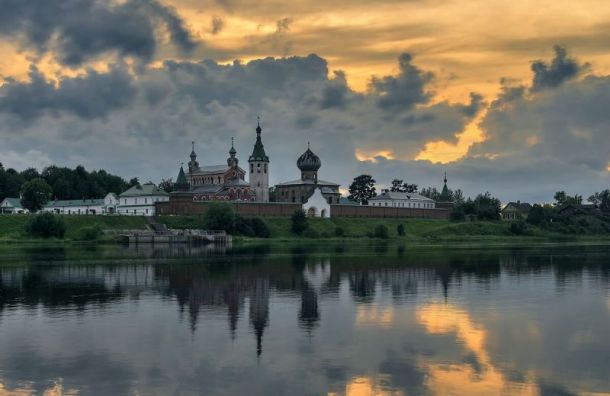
(308, 161)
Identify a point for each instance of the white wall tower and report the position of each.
(259, 169)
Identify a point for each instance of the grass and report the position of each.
(12, 226)
(417, 230)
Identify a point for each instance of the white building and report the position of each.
(12, 206)
(140, 200)
(317, 205)
(402, 200)
(107, 205)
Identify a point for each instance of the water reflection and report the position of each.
(382, 320)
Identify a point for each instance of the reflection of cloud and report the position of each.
(56, 389)
(368, 386)
(373, 315)
(478, 375)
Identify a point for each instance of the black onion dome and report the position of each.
(308, 161)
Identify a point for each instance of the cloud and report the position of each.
(217, 24)
(88, 96)
(141, 121)
(404, 91)
(561, 69)
(79, 30)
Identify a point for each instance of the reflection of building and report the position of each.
(259, 310)
(301, 190)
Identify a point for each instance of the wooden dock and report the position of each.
(192, 237)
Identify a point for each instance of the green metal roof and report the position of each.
(258, 154)
(143, 190)
(74, 202)
(181, 180)
(14, 202)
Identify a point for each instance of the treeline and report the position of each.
(63, 183)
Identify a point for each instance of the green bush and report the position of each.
(518, 228)
(299, 222)
(457, 214)
(220, 216)
(90, 233)
(339, 231)
(400, 230)
(381, 231)
(46, 225)
(311, 233)
(260, 228)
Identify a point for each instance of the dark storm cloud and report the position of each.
(404, 91)
(89, 96)
(155, 112)
(82, 29)
(476, 104)
(217, 24)
(561, 69)
(335, 95)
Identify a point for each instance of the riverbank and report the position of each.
(415, 230)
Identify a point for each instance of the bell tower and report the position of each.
(259, 168)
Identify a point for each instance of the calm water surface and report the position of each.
(308, 320)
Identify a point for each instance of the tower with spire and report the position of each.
(259, 168)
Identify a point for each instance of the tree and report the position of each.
(539, 215)
(36, 193)
(400, 229)
(562, 199)
(487, 207)
(362, 189)
(167, 185)
(272, 194)
(299, 222)
(431, 192)
(457, 196)
(601, 200)
(399, 186)
(381, 231)
(219, 216)
(46, 225)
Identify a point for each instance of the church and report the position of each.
(227, 182)
(300, 190)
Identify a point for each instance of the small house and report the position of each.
(515, 211)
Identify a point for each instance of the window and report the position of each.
(135, 201)
(265, 168)
(251, 168)
(330, 200)
(125, 201)
(146, 211)
(145, 200)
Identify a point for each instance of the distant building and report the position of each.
(302, 189)
(445, 200)
(259, 169)
(402, 200)
(12, 206)
(140, 200)
(515, 211)
(226, 182)
(106, 205)
(577, 209)
(317, 205)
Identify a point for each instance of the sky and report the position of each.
(506, 97)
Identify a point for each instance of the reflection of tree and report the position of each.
(362, 285)
(309, 315)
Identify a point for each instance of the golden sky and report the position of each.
(468, 44)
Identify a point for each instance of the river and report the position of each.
(317, 319)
